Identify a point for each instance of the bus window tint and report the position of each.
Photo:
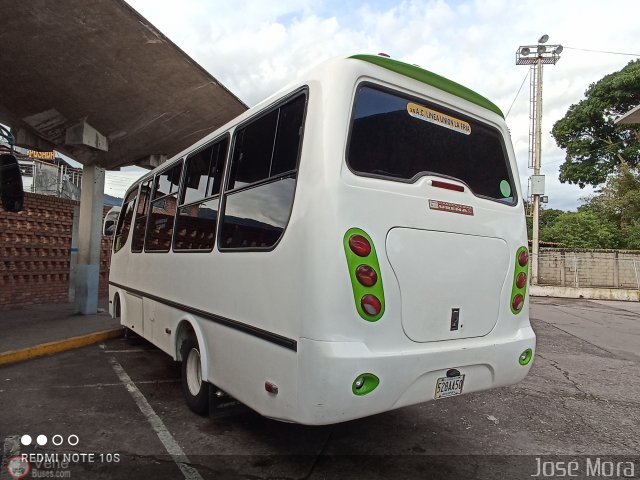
(256, 218)
(402, 138)
(252, 152)
(168, 181)
(163, 210)
(137, 242)
(287, 140)
(196, 222)
(124, 221)
(262, 181)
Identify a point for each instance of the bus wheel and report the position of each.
(194, 389)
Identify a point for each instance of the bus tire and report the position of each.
(194, 388)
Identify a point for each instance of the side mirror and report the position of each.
(110, 221)
(11, 192)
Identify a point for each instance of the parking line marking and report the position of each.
(170, 444)
(11, 449)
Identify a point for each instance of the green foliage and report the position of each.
(609, 219)
(594, 145)
(619, 202)
(581, 229)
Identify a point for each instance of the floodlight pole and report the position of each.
(537, 139)
(541, 54)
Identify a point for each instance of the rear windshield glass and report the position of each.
(402, 138)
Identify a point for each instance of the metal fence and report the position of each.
(589, 268)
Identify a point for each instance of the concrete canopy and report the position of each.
(95, 80)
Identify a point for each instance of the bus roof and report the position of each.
(432, 79)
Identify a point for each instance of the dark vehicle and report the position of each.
(11, 193)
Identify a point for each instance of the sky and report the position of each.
(256, 47)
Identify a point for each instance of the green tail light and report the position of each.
(365, 383)
(368, 293)
(519, 288)
(525, 357)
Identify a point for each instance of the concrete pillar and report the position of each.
(89, 240)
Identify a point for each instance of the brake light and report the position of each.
(371, 305)
(359, 245)
(518, 302)
(366, 275)
(521, 280)
(447, 185)
(523, 258)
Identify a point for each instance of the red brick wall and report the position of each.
(34, 252)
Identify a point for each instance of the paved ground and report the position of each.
(582, 397)
(36, 324)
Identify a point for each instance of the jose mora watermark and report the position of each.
(585, 467)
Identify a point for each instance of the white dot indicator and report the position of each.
(42, 440)
(25, 440)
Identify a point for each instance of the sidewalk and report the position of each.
(37, 330)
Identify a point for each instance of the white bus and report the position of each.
(354, 244)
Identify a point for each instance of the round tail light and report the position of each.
(371, 305)
(521, 280)
(359, 245)
(523, 258)
(366, 275)
(518, 302)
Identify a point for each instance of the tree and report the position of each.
(619, 202)
(582, 229)
(547, 218)
(594, 145)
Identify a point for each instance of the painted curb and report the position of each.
(14, 356)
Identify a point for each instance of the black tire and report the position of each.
(130, 336)
(194, 388)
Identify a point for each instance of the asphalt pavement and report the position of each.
(121, 402)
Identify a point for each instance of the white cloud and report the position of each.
(255, 47)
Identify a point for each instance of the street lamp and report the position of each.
(536, 56)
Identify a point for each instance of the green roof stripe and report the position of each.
(432, 79)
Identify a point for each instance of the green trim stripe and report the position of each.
(359, 290)
(432, 79)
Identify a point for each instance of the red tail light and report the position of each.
(447, 185)
(371, 305)
(359, 245)
(366, 275)
(521, 280)
(518, 302)
(523, 258)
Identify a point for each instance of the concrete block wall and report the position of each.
(589, 268)
(34, 252)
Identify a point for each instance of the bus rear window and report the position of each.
(401, 138)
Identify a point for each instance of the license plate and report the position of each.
(449, 386)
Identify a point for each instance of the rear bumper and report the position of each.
(327, 371)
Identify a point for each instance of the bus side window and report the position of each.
(260, 191)
(163, 210)
(124, 221)
(137, 242)
(198, 210)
